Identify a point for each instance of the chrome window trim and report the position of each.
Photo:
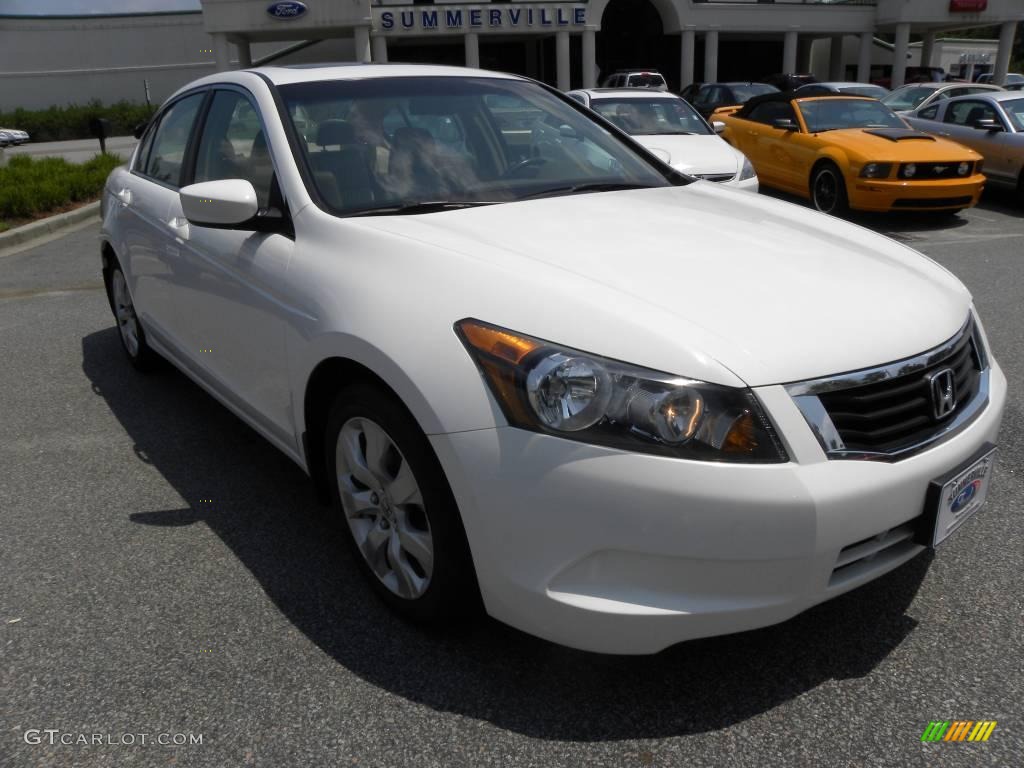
(805, 396)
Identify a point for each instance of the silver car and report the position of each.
(913, 96)
(990, 123)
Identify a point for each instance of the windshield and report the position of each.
(648, 117)
(907, 97)
(399, 142)
(1014, 109)
(832, 114)
(645, 81)
(874, 91)
(745, 93)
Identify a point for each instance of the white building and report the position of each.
(48, 60)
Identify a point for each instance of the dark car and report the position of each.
(711, 96)
(789, 81)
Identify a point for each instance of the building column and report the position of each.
(380, 49)
(687, 49)
(899, 55)
(1006, 32)
(361, 36)
(244, 54)
(711, 56)
(589, 58)
(867, 41)
(471, 41)
(789, 44)
(927, 46)
(562, 57)
(221, 51)
(835, 58)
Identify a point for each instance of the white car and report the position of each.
(674, 131)
(617, 405)
(14, 136)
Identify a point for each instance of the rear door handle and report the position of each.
(125, 196)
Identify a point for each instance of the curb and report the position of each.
(40, 229)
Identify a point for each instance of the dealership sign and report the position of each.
(289, 9)
(493, 17)
(969, 6)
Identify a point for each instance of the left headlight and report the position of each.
(561, 391)
(746, 171)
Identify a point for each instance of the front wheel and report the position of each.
(399, 514)
(828, 190)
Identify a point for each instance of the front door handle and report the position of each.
(179, 226)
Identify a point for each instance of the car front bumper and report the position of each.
(891, 195)
(619, 552)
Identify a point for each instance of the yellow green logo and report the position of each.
(958, 730)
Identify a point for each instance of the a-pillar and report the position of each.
(244, 54)
(835, 58)
(927, 46)
(589, 58)
(471, 41)
(711, 56)
(1006, 32)
(687, 53)
(221, 51)
(789, 45)
(867, 41)
(899, 55)
(562, 59)
(380, 49)
(361, 37)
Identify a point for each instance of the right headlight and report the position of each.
(746, 171)
(876, 171)
(561, 391)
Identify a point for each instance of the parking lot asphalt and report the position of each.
(163, 570)
(77, 151)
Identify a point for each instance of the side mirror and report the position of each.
(224, 204)
(987, 124)
(785, 124)
(140, 129)
(718, 126)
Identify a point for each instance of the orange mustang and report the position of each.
(851, 152)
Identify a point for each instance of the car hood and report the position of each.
(908, 150)
(698, 280)
(698, 155)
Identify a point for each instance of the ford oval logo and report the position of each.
(290, 9)
(964, 497)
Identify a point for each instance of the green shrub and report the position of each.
(30, 187)
(72, 121)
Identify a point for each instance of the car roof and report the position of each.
(839, 84)
(989, 95)
(634, 93)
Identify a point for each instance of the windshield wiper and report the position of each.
(592, 187)
(433, 206)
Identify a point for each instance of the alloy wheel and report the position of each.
(383, 505)
(124, 311)
(826, 191)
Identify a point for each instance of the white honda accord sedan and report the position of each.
(532, 366)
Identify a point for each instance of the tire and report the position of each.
(133, 337)
(828, 190)
(395, 508)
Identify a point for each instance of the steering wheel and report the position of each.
(526, 163)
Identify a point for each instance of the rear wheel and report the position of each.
(133, 338)
(399, 514)
(828, 190)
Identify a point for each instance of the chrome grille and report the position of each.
(714, 176)
(894, 410)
